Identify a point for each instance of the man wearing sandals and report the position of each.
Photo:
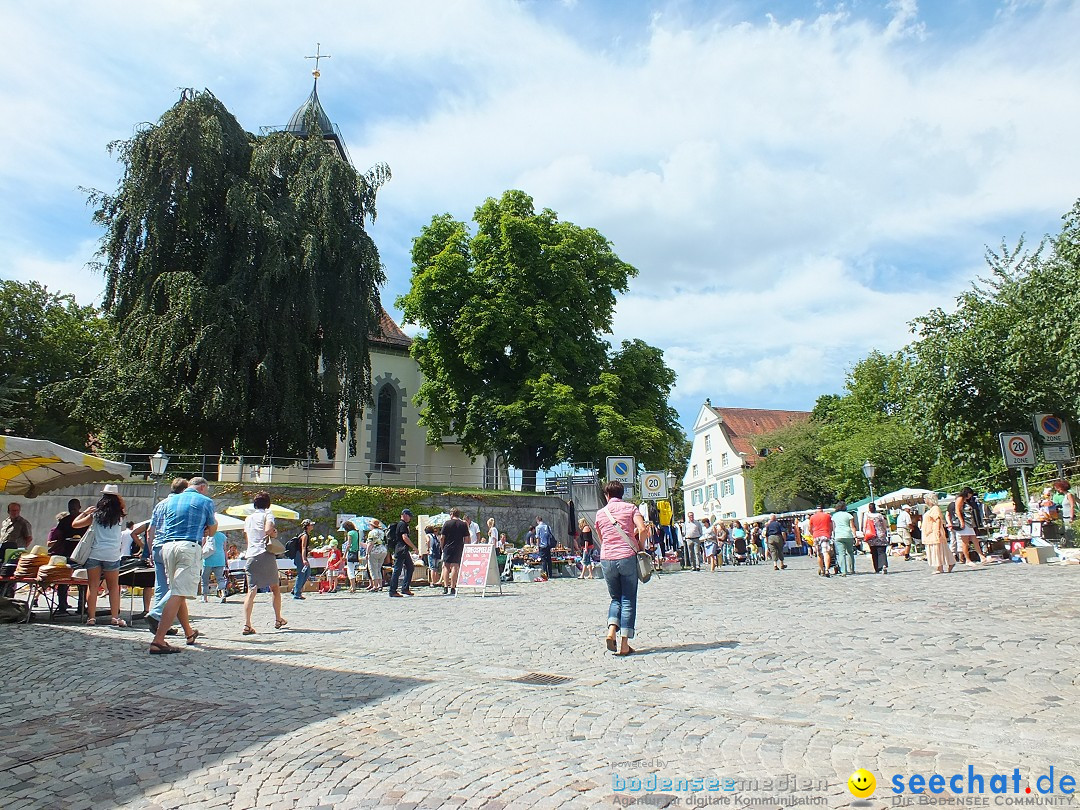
(185, 519)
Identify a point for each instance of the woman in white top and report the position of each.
(262, 570)
(107, 516)
(493, 533)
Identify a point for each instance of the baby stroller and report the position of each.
(742, 556)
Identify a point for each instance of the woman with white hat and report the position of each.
(107, 517)
(376, 554)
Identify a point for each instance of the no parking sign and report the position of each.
(1052, 429)
(1018, 449)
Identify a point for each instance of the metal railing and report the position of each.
(337, 472)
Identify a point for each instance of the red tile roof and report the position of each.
(389, 333)
(742, 425)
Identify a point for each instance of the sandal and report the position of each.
(611, 643)
(118, 622)
(162, 649)
(249, 630)
(280, 623)
(191, 639)
(91, 622)
(629, 651)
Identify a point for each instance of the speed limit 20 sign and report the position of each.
(1018, 449)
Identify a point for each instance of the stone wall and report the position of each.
(513, 513)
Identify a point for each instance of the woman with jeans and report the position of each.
(844, 539)
(617, 524)
(107, 516)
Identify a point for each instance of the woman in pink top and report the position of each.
(622, 531)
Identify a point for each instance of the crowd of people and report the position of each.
(182, 543)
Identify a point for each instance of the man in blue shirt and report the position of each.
(180, 523)
(545, 542)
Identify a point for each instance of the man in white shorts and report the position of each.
(185, 519)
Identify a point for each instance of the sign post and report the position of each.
(1054, 432)
(1018, 450)
(653, 486)
(479, 567)
(621, 469)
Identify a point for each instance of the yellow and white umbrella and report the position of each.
(279, 512)
(31, 467)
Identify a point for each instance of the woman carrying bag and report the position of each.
(107, 517)
(616, 524)
(262, 570)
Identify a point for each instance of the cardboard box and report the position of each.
(1038, 555)
(528, 575)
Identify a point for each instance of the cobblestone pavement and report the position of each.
(370, 702)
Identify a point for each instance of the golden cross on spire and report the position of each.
(318, 55)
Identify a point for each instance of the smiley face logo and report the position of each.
(861, 783)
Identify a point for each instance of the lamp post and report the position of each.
(158, 463)
(868, 470)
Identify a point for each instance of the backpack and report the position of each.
(292, 547)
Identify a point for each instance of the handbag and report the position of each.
(273, 545)
(208, 548)
(82, 551)
(644, 559)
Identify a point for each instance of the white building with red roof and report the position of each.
(726, 444)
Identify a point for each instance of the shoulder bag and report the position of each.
(273, 545)
(82, 551)
(207, 548)
(644, 559)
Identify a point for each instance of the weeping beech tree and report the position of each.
(242, 284)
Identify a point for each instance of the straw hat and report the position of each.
(59, 561)
(38, 551)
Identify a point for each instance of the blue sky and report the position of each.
(795, 181)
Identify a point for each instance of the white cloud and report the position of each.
(757, 173)
(69, 274)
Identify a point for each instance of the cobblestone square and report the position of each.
(745, 674)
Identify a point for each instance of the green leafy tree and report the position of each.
(46, 338)
(242, 286)
(514, 317)
(870, 421)
(791, 475)
(630, 410)
(1011, 348)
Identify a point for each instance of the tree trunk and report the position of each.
(527, 465)
(1019, 502)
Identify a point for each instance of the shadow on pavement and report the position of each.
(74, 702)
(700, 646)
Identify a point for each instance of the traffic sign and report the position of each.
(1052, 429)
(621, 468)
(1018, 449)
(653, 486)
(1058, 453)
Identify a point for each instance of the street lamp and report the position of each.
(158, 462)
(868, 470)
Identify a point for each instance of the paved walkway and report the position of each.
(747, 674)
